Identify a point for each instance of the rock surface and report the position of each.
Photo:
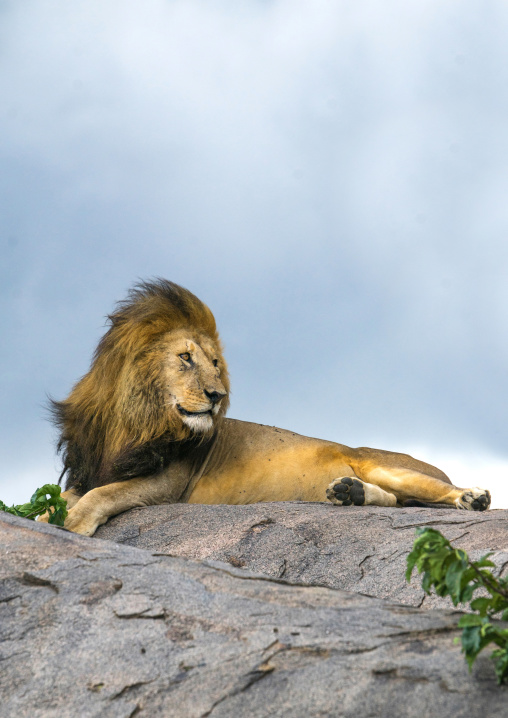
(361, 549)
(92, 628)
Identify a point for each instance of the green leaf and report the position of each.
(471, 642)
(484, 562)
(58, 516)
(500, 658)
(481, 604)
(453, 579)
(470, 619)
(47, 498)
(411, 562)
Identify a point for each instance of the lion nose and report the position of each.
(214, 396)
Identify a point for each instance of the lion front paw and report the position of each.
(474, 500)
(81, 522)
(346, 491)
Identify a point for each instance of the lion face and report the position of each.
(191, 370)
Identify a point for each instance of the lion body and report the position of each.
(146, 425)
(252, 463)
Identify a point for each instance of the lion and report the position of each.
(147, 425)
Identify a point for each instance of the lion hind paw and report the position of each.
(473, 500)
(346, 492)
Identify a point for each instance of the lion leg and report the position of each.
(100, 504)
(72, 498)
(351, 490)
(409, 484)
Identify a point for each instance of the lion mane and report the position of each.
(115, 424)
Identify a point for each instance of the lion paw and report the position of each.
(474, 500)
(346, 491)
(81, 522)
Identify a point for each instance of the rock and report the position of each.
(361, 549)
(93, 628)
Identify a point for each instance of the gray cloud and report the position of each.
(329, 177)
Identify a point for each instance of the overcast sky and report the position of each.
(331, 177)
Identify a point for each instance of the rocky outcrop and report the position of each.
(361, 549)
(93, 628)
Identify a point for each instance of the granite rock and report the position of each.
(93, 628)
(361, 549)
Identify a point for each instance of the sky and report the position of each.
(330, 177)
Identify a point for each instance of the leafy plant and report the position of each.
(451, 573)
(47, 498)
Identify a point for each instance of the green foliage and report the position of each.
(47, 498)
(450, 572)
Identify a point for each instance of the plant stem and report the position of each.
(36, 513)
(493, 587)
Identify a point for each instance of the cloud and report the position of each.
(329, 177)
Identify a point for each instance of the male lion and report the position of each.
(146, 426)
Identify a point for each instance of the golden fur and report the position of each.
(146, 425)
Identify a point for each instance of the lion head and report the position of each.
(158, 382)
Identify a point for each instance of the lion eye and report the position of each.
(185, 356)
(215, 362)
